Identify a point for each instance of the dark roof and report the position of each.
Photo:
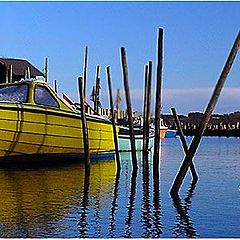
(19, 66)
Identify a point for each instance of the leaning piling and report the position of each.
(206, 117)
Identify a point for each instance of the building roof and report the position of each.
(19, 66)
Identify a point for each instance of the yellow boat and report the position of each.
(35, 120)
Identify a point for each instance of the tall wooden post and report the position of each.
(206, 117)
(184, 143)
(85, 72)
(97, 90)
(129, 107)
(84, 125)
(118, 104)
(158, 101)
(145, 112)
(113, 118)
(149, 86)
(46, 70)
(55, 86)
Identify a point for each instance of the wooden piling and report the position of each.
(149, 86)
(55, 86)
(84, 125)
(85, 71)
(184, 143)
(129, 107)
(206, 117)
(145, 110)
(97, 90)
(113, 118)
(158, 101)
(118, 104)
(46, 70)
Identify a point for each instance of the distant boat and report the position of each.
(34, 120)
(138, 133)
(124, 138)
(163, 129)
(171, 133)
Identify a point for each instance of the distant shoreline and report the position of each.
(227, 125)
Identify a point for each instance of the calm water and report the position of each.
(61, 202)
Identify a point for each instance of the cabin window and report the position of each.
(14, 93)
(43, 96)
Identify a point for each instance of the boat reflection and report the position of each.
(184, 224)
(35, 201)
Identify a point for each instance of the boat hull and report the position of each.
(27, 129)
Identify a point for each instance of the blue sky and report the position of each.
(197, 39)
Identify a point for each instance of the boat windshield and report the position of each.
(14, 93)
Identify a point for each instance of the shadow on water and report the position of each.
(184, 224)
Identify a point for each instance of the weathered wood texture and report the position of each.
(85, 71)
(158, 100)
(113, 118)
(129, 107)
(84, 124)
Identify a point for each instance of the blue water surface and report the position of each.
(58, 200)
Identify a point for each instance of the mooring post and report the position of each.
(145, 111)
(129, 107)
(84, 125)
(55, 86)
(113, 117)
(85, 71)
(184, 143)
(206, 117)
(158, 101)
(46, 70)
(97, 89)
(149, 86)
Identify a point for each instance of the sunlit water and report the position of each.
(59, 201)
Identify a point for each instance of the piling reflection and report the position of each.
(130, 207)
(146, 204)
(114, 207)
(184, 224)
(156, 229)
(83, 223)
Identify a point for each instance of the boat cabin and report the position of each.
(31, 92)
